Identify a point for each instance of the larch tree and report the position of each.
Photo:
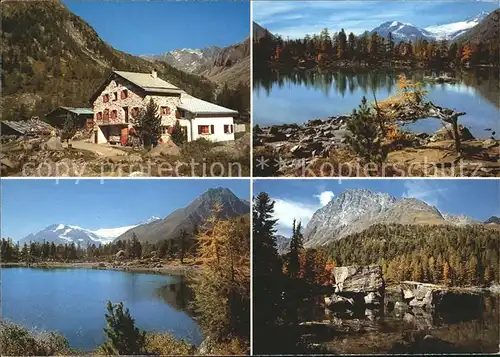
(222, 288)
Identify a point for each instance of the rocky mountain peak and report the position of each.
(342, 211)
(355, 210)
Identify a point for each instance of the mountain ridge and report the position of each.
(402, 31)
(190, 217)
(355, 210)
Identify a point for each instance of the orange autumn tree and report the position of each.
(467, 53)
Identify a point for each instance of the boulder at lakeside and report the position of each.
(356, 288)
(364, 279)
(439, 298)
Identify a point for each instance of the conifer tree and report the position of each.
(177, 134)
(296, 247)
(122, 337)
(222, 288)
(267, 273)
(69, 128)
(366, 139)
(147, 123)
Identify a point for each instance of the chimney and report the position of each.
(154, 74)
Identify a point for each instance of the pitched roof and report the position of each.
(149, 83)
(77, 111)
(29, 126)
(198, 106)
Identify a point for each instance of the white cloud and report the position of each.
(425, 191)
(286, 210)
(325, 197)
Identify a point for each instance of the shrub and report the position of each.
(123, 338)
(16, 340)
(164, 344)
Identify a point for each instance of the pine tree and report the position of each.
(266, 275)
(122, 337)
(296, 247)
(69, 128)
(177, 134)
(366, 139)
(342, 45)
(148, 124)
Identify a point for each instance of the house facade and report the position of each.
(124, 94)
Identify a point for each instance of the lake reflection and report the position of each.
(296, 97)
(73, 302)
(465, 329)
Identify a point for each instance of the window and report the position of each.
(124, 94)
(165, 110)
(115, 95)
(204, 129)
(135, 111)
(228, 128)
(99, 116)
(125, 110)
(114, 114)
(105, 98)
(106, 114)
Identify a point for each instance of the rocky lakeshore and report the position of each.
(363, 314)
(155, 266)
(291, 147)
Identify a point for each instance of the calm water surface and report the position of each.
(73, 302)
(468, 329)
(297, 97)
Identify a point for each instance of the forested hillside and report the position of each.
(52, 57)
(480, 46)
(458, 256)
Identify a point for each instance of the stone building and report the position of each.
(123, 94)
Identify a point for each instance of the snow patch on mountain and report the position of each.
(66, 234)
(454, 30)
(402, 31)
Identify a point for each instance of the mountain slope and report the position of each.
(51, 57)
(487, 31)
(337, 218)
(187, 59)
(408, 32)
(402, 31)
(453, 31)
(187, 218)
(231, 65)
(355, 210)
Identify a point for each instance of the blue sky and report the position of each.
(31, 205)
(295, 19)
(299, 199)
(152, 27)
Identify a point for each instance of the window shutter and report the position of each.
(212, 129)
(232, 128)
(199, 129)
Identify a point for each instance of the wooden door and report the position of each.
(124, 136)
